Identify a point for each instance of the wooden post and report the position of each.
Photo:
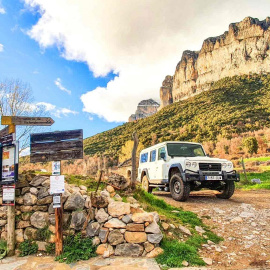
(59, 227)
(133, 159)
(11, 230)
(244, 169)
(11, 214)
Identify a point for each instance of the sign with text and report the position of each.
(56, 146)
(56, 167)
(57, 184)
(26, 121)
(57, 201)
(8, 195)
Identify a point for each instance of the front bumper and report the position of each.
(201, 176)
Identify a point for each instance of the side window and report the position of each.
(153, 155)
(161, 150)
(144, 157)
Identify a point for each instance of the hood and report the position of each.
(201, 159)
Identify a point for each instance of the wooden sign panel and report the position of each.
(26, 121)
(56, 146)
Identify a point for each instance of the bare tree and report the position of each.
(16, 99)
(133, 159)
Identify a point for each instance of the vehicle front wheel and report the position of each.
(145, 185)
(228, 191)
(179, 189)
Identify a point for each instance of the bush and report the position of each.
(76, 248)
(43, 234)
(3, 249)
(28, 247)
(251, 144)
(50, 248)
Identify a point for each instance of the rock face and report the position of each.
(144, 109)
(166, 91)
(243, 49)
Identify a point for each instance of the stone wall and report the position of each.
(243, 49)
(116, 227)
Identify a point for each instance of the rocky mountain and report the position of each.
(145, 108)
(243, 49)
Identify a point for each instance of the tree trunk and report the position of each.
(133, 159)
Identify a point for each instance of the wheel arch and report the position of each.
(176, 168)
(143, 173)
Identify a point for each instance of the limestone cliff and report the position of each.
(144, 109)
(243, 49)
(166, 91)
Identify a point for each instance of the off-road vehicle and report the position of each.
(182, 167)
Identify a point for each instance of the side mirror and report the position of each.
(162, 155)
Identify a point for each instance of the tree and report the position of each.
(126, 150)
(251, 144)
(16, 99)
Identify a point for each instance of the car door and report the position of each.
(152, 167)
(159, 164)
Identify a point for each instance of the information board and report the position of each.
(57, 184)
(8, 195)
(56, 165)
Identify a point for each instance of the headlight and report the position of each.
(188, 164)
(224, 165)
(229, 165)
(194, 164)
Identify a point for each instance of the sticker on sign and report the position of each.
(57, 184)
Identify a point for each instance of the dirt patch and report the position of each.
(243, 221)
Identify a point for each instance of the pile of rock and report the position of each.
(116, 227)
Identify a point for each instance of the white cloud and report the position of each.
(25, 152)
(58, 83)
(2, 10)
(1, 47)
(55, 111)
(141, 41)
(91, 118)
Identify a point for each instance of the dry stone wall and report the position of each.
(117, 228)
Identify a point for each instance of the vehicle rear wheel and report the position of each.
(179, 189)
(145, 185)
(228, 191)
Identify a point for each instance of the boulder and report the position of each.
(155, 252)
(39, 219)
(152, 228)
(22, 181)
(115, 237)
(19, 235)
(23, 224)
(30, 233)
(133, 227)
(110, 189)
(115, 223)
(96, 241)
(148, 246)
(99, 201)
(101, 215)
(154, 238)
(46, 200)
(46, 183)
(41, 245)
(135, 237)
(29, 199)
(43, 192)
(25, 190)
(105, 248)
(25, 208)
(65, 195)
(103, 235)
(77, 220)
(129, 249)
(118, 181)
(51, 209)
(116, 209)
(136, 208)
(142, 217)
(92, 229)
(19, 200)
(75, 201)
(26, 216)
(33, 190)
(42, 208)
(38, 180)
(127, 218)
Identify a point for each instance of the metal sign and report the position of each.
(26, 121)
(57, 184)
(59, 145)
(4, 132)
(57, 201)
(9, 195)
(9, 163)
(7, 139)
(56, 167)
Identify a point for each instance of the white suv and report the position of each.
(182, 167)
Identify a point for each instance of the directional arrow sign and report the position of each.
(26, 121)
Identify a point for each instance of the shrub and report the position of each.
(76, 248)
(50, 248)
(28, 247)
(3, 249)
(251, 144)
(43, 234)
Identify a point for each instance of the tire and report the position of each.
(145, 185)
(228, 191)
(178, 188)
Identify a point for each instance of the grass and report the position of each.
(175, 250)
(257, 159)
(90, 183)
(263, 176)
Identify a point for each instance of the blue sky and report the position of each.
(91, 62)
(23, 58)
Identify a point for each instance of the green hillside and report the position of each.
(233, 105)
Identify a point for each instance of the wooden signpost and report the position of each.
(7, 140)
(57, 146)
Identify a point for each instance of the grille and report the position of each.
(210, 167)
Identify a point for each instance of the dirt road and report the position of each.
(243, 221)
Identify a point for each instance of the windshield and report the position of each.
(185, 150)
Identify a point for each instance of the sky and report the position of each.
(90, 62)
